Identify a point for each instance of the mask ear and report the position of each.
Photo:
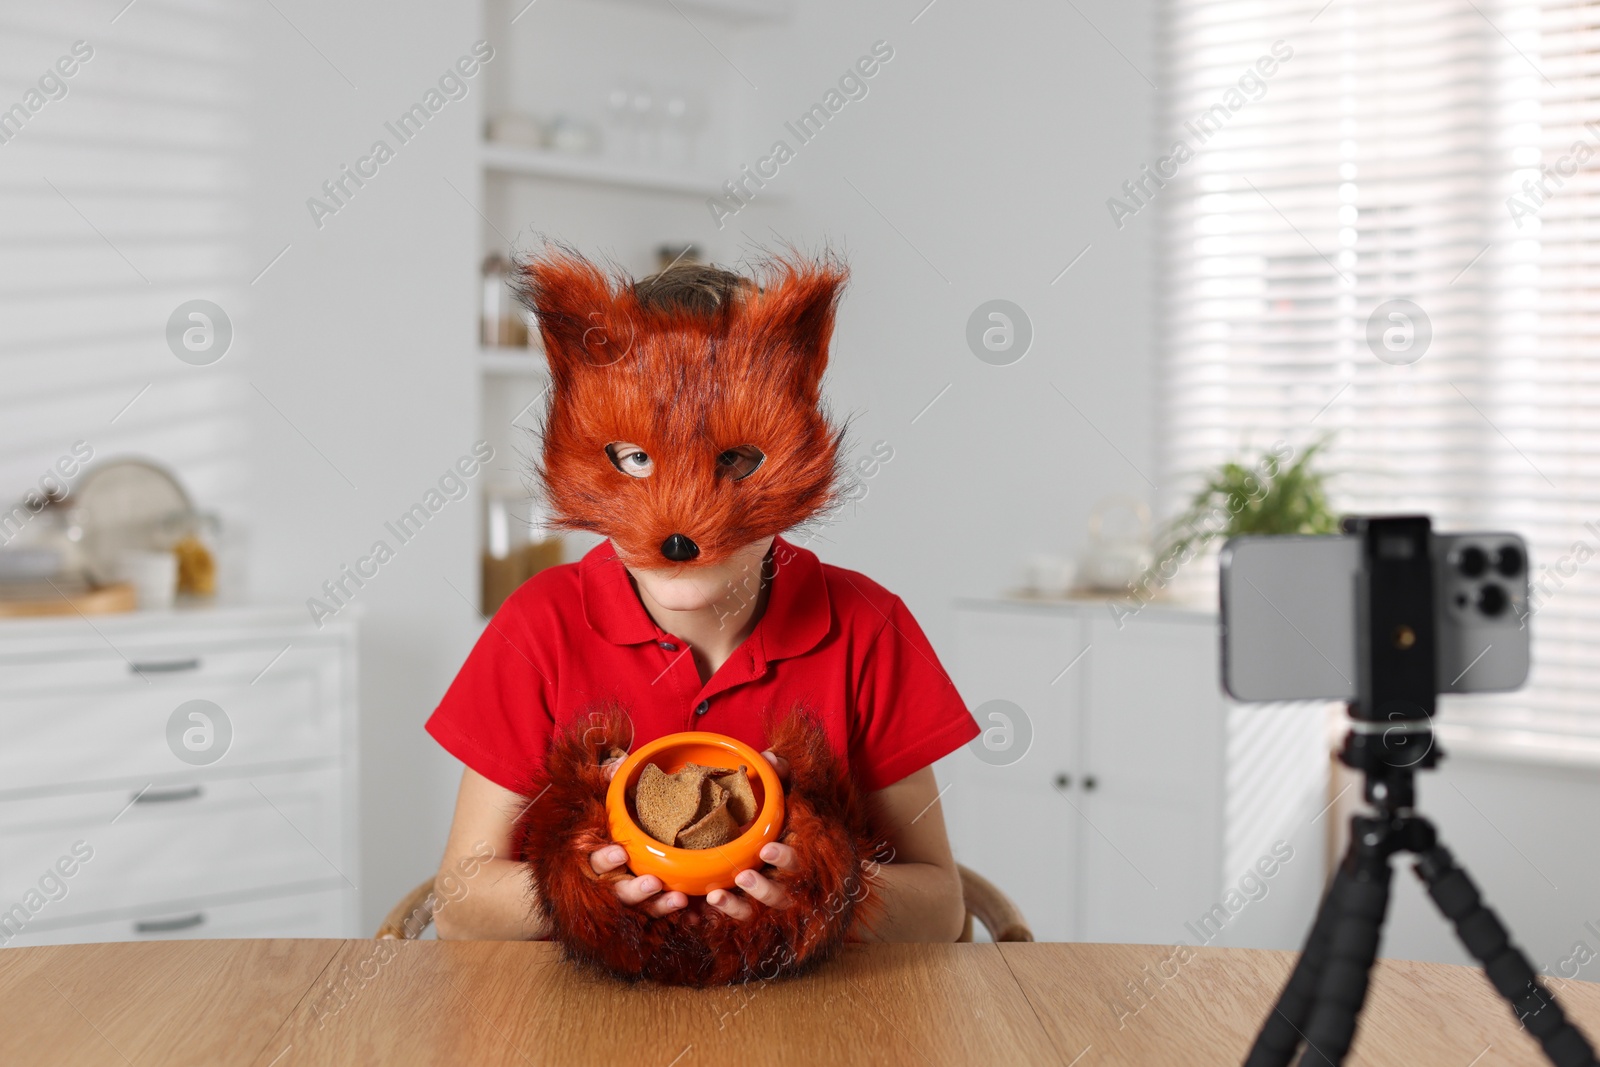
(583, 320)
(794, 315)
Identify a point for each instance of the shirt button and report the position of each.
(668, 645)
(703, 707)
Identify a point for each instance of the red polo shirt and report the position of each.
(831, 639)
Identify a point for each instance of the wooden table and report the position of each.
(281, 1003)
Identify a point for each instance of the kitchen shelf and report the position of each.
(539, 163)
(734, 12)
(525, 361)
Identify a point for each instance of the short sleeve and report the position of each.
(907, 711)
(496, 716)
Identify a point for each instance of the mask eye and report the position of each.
(740, 461)
(630, 459)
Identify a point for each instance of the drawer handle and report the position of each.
(167, 796)
(166, 926)
(165, 666)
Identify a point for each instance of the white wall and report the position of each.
(364, 336)
(990, 142)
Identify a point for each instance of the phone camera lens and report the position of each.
(1473, 561)
(1492, 600)
(1508, 561)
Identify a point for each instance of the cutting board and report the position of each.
(42, 598)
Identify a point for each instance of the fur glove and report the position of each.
(825, 822)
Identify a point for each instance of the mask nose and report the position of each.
(679, 549)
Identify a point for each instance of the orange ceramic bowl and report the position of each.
(695, 871)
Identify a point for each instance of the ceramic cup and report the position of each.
(154, 576)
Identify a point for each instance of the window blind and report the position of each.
(122, 193)
(1442, 155)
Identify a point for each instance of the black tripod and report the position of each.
(1390, 740)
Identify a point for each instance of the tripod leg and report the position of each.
(1508, 970)
(1280, 1034)
(1353, 947)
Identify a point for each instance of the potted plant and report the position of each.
(1280, 493)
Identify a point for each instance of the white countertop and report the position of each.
(1124, 605)
(55, 635)
(1464, 741)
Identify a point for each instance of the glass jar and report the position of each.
(503, 325)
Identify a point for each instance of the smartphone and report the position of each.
(1289, 615)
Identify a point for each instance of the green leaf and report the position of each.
(1260, 497)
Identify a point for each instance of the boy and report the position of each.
(686, 424)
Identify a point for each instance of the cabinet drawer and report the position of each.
(178, 842)
(137, 664)
(89, 720)
(319, 914)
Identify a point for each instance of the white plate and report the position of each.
(124, 505)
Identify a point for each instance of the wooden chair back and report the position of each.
(985, 903)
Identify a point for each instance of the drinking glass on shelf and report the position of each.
(673, 149)
(646, 121)
(501, 325)
(683, 118)
(619, 116)
(517, 543)
(573, 134)
(633, 115)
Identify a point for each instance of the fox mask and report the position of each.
(724, 402)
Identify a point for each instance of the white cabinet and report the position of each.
(108, 833)
(313, 914)
(993, 812)
(1145, 801)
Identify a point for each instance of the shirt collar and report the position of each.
(797, 618)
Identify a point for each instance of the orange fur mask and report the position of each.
(685, 386)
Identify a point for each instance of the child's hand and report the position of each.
(780, 765)
(641, 892)
(634, 891)
(754, 884)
